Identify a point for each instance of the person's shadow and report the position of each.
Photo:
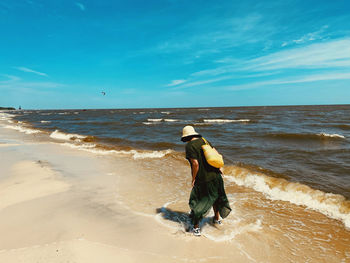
(182, 218)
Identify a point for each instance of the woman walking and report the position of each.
(207, 184)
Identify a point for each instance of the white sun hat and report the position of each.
(188, 131)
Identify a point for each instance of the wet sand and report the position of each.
(64, 205)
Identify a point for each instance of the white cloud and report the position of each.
(311, 36)
(176, 82)
(317, 77)
(202, 82)
(9, 79)
(216, 71)
(15, 83)
(24, 69)
(283, 81)
(34, 85)
(80, 5)
(207, 37)
(317, 35)
(329, 54)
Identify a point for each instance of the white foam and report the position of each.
(326, 203)
(159, 218)
(46, 113)
(225, 120)
(65, 136)
(85, 146)
(142, 154)
(63, 113)
(6, 116)
(133, 153)
(171, 120)
(331, 135)
(165, 112)
(22, 129)
(252, 227)
(149, 123)
(152, 154)
(154, 120)
(235, 226)
(45, 121)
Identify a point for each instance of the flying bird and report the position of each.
(103, 93)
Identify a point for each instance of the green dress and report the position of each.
(209, 186)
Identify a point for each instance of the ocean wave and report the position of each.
(309, 136)
(66, 136)
(166, 112)
(332, 205)
(225, 120)
(331, 135)
(45, 121)
(6, 116)
(149, 123)
(147, 154)
(153, 121)
(135, 154)
(23, 129)
(63, 113)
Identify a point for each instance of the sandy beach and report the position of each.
(61, 205)
(66, 204)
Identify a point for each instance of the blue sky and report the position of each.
(173, 53)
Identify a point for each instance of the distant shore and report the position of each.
(7, 108)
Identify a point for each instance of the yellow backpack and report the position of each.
(212, 156)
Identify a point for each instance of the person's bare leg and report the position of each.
(216, 213)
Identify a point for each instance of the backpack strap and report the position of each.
(205, 141)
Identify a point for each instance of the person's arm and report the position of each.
(194, 169)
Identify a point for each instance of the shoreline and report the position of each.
(62, 205)
(91, 207)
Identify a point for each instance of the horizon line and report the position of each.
(201, 107)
